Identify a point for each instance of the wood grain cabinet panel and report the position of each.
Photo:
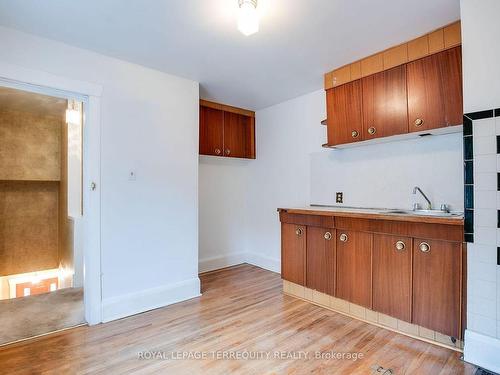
(320, 265)
(435, 91)
(344, 113)
(341, 76)
(392, 275)
(354, 260)
(226, 131)
(436, 285)
(385, 103)
(238, 135)
(211, 131)
(293, 253)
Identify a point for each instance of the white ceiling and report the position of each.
(299, 40)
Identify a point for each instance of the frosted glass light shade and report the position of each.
(248, 18)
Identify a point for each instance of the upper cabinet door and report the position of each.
(435, 91)
(211, 128)
(385, 110)
(239, 136)
(344, 113)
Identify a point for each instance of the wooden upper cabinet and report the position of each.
(435, 91)
(226, 131)
(293, 253)
(320, 260)
(238, 136)
(211, 131)
(344, 113)
(385, 103)
(354, 264)
(437, 285)
(392, 275)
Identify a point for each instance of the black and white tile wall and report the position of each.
(482, 218)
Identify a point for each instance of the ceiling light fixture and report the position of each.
(248, 18)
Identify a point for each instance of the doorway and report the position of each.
(41, 249)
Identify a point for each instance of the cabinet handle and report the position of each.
(217, 151)
(343, 237)
(419, 122)
(354, 134)
(298, 232)
(425, 247)
(400, 245)
(372, 130)
(228, 151)
(328, 236)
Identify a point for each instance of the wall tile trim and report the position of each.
(480, 114)
(478, 156)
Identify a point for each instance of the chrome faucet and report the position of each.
(429, 204)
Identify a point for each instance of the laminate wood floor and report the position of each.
(242, 312)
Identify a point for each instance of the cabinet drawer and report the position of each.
(312, 220)
(402, 228)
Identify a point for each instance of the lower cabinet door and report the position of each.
(354, 260)
(293, 253)
(436, 285)
(392, 275)
(320, 265)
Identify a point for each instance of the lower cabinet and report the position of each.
(392, 275)
(320, 264)
(436, 285)
(354, 266)
(293, 253)
(408, 277)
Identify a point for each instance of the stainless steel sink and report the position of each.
(438, 213)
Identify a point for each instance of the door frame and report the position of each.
(42, 82)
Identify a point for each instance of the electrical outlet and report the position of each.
(339, 197)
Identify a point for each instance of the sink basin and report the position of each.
(423, 213)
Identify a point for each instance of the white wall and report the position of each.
(293, 170)
(149, 125)
(222, 197)
(481, 57)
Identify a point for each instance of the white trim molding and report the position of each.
(270, 264)
(482, 350)
(222, 261)
(134, 303)
(228, 260)
(42, 82)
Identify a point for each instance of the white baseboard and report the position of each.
(222, 261)
(216, 263)
(482, 351)
(262, 261)
(149, 299)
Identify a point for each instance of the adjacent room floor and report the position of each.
(242, 310)
(25, 317)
